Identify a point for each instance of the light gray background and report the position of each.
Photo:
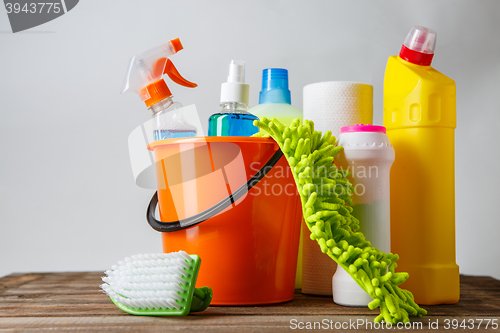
(67, 195)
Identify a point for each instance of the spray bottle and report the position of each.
(234, 119)
(420, 117)
(145, 77)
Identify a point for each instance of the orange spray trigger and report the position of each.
(175, 76)
(166, 66)
(176, 44)
(158, 67)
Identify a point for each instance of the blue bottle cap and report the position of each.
(275, 86)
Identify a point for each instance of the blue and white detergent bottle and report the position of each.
(145, 77)
(233, 119)
(275, 98)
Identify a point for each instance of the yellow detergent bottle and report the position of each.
(420, 117)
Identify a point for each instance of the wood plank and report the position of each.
(74, 301)
(92, 306)
(71, 297)
(17, 279)
(223, 323)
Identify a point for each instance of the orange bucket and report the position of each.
(232, 201)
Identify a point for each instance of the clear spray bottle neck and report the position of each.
(234, 107)
(163, 105)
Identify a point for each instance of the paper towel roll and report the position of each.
(317, 267)
(330, 105)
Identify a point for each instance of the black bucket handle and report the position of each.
(215, 209)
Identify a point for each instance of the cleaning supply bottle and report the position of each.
(274, 98)
(420, 117)
(368, 155)
(275, 102)
(145, 77)
(234, 119)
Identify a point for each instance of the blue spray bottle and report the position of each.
(234, 119)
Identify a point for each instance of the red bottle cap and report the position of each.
(419, 46)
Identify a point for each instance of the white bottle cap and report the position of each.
(235, 89)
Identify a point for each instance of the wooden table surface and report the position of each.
(70, 301)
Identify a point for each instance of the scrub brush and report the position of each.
(325, 195)
(157, 285)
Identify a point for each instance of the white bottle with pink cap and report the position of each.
(368, 156)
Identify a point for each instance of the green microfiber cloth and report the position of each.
(325, 195)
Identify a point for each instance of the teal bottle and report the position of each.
(233, 119)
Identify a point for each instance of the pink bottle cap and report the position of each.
(362, 128)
